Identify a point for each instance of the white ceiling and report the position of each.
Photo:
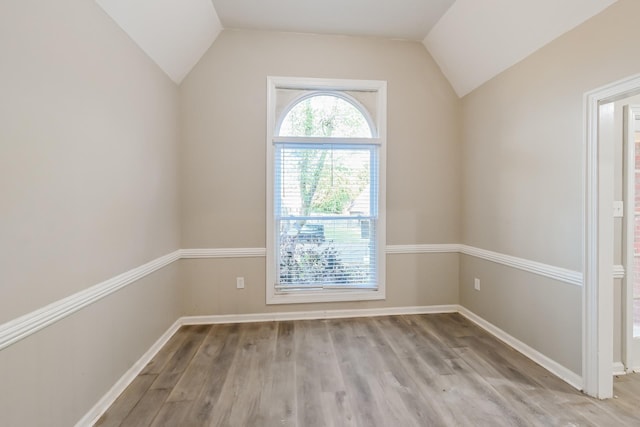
(471, 40)
(477, 40)
(403, 19)
(174, 33)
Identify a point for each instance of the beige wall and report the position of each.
(88, 178)
(54, 377)
(523, 141)
(519, 303)
(89, 163)
(209, 286)
(523, 167)
(223, 114)
(87, 160)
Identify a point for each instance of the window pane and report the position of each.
(325, 116)
(324, 179)
(325, 211)
(335, 253)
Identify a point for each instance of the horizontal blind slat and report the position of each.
(325, 210)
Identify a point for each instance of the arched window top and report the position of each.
(326, 114)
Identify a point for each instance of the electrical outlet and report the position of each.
(476, 284)
(240, 282)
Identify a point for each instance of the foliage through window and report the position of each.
(325, 222)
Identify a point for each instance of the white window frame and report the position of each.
(379, 127)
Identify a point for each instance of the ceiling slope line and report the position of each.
(475, 41)
(174, 34)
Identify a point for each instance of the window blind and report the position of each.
(326, 215)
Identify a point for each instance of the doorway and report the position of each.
(598, 295)
(631, 239)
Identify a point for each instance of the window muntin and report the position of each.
(325, 185)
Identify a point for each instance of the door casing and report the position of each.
(597, 325)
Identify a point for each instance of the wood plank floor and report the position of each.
(418, 370)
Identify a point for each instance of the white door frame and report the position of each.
(597, 325)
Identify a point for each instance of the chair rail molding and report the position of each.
(438, 248)
(23, 326)
(558, 273)
(223, 253)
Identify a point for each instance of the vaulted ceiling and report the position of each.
(471, 40)
(404, 19)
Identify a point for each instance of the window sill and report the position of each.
(324, 296)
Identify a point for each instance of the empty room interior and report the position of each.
(219, 212)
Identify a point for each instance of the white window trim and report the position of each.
(380, 138)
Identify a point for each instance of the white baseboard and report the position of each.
(314, 315)
(552, 366)
(618, 369)
(107, 400)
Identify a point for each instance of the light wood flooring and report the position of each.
(418, 370)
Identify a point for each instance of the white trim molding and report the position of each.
(107, 400)
(550, 271)
(546, 270)
(442, 248)
(23, 326)
(30, 323)
(619, 369)
(551, 365)
(319, 314)
(223, 253)
(597, 330)
(94, 414)
(618, 272)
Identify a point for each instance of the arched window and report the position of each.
(325, 228)
(326, 115)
